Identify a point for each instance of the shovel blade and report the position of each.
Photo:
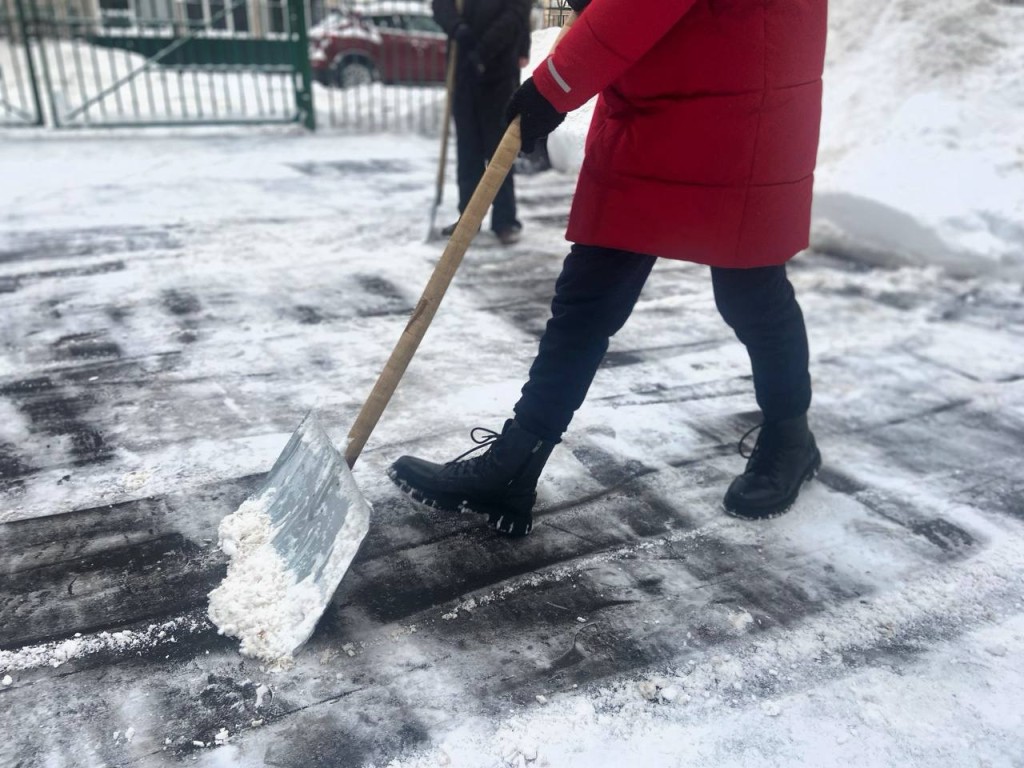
(290, 544)
(433, 233)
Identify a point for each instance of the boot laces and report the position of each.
(483, 438)
(743, 441)
(758, 460)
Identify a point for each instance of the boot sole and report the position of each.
(500, 513)
(446, 503)
(773, 512)
(441, 502)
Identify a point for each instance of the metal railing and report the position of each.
(20, 100)
(168, 62)
(556, 12)
(373, 65)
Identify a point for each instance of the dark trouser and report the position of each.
(596, 293)
(479, 110)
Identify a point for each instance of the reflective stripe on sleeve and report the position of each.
(557, 77)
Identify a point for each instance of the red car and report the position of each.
(389, 42)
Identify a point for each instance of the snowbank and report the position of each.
(922, 147)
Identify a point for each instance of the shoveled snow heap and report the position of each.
(260, 601)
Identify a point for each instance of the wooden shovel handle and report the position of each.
(469, 223)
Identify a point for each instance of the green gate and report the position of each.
(20, 103)
(115, 63)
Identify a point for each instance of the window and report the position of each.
(423, 24)
(219, 15)
(116, 13)
(387, 21)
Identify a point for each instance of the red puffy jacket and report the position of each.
(704, 139)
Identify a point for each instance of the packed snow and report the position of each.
(289, 548)
(260, 601)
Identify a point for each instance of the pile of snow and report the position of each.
(272, 595)
(260, 601)
(922, 148)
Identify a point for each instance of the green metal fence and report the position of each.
(363, 65)
(112, 63)
(20, 101)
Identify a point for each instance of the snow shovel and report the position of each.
(291, 543)
(432, 232)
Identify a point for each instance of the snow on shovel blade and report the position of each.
(289, 546)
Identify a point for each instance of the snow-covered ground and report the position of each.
(172, 307)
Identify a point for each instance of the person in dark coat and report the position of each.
(702, 148)
(492, 37)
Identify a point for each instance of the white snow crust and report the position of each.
(60, 652)
(762, 705)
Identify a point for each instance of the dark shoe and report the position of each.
(501, 483)
(450, 229)
(511, 235)
(784, 456)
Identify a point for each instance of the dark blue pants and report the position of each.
(479, 110)
(596, 293)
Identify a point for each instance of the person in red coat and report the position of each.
(702, 148)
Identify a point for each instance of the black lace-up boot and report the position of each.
(784, 456)
(500, 483)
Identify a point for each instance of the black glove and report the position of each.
(468, 53)
(537, 117)
(463, 35)
(578, 5)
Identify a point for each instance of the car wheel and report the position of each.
(354, 72)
